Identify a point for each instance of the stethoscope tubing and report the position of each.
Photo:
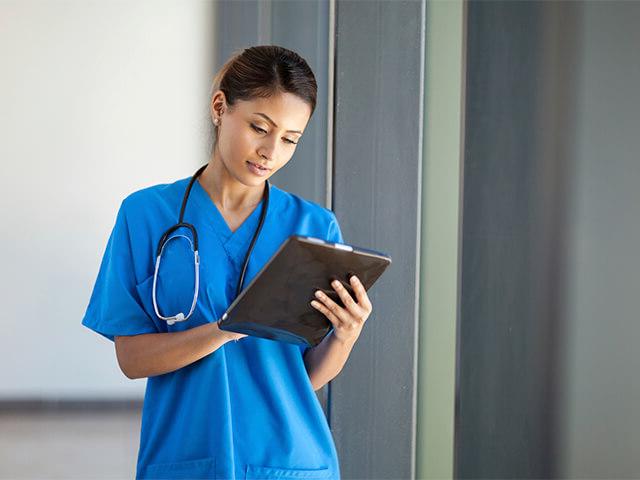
(180, 317)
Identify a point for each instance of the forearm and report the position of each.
(152, 354)
(326, 360)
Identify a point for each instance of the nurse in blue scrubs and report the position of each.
(220, 404)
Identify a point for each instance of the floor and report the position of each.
(69, 445)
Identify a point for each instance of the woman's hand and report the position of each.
(347, 322)
(228, 335)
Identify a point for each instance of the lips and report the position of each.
(259, 166)
(257, 170)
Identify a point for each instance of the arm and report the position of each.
(152, 354)
(325, 361)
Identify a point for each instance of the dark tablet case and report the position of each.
(276, 304)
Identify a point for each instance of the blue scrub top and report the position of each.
(247, 410)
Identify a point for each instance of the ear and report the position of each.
(218, 104)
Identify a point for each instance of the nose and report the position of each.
(267, 150)
(266, 153)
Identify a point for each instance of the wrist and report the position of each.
(342, 342)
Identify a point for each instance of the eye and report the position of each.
(261, 130)
(258, 129)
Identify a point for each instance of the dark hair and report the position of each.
(263, 71)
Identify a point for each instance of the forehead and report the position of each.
(287, 110)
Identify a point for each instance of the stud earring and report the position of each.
(217, 120)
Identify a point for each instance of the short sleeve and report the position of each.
(334, 234)
(115, 307)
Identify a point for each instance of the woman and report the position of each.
(216, 408)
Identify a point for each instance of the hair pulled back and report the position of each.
(263, 71)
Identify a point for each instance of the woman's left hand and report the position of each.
(347, 322)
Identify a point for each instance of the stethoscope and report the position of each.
(180, 317)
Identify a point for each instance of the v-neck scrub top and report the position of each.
(247, 410)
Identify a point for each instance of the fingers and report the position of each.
(237, 336)
(229, 335)
(345, 296)
(353, 314)
(336, 322)
(361, 293)
(334, 312)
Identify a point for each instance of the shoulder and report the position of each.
(156, 197)
(292, 204)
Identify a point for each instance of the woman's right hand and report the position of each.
(230, 335)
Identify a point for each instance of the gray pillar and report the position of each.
(304, 28)
(519, 86)
(377, 166)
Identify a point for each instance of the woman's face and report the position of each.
(263, 132)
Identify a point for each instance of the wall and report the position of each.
(600, 416)
(519, 77)
(440, 235)
(99, 99)
(378, 135)
(547, 381)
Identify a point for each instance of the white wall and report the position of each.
(97, 99)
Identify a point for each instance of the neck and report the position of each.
(226, 192)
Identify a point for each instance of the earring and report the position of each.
(217, 120)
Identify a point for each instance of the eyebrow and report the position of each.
(274, 123)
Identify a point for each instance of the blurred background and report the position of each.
(490, 147)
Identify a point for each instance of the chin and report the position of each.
(253, 181)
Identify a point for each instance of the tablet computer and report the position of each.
(276, 304)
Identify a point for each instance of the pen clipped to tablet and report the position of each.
(275, 305)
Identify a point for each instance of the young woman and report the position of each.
(216, 408)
